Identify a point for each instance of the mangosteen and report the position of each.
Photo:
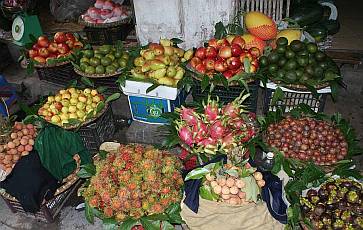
(314, 199)
(342, 205)
(305, 208)
(330, 207)
(326, 218)
(359, 221)
(352, 197)
(336, 214)
(330, 186)
(357, 209)
(341, 193)
(323, 194)
(318, 224)
(346, 216)
(319, 209)
(346, 184)
(338, 224)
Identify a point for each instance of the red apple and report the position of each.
(228, 74)
(53, 47)
(230, 38)
(63, 48)
(245, 55)
(222, 42)
(195, 61)
(70, 44)
(201, 68)
(32, 53)
(255, 52)
(209, 63)
(153, 45)
(236, 50)
(60, 37)
(43, 52)
(43, 41)
(220, 65)
(77, 45)
(210, 72)
(211, 52)
(200, 53)
(213, 43)
(225, 52)
(239, 41)
(39, 59)
(255, 63)
(233, 63)
(253, 69)
(70, 37)
(36, 47)
(58, 105)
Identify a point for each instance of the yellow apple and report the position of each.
(81, 114)
(87, 91)
(50, 99)
(55, 119)
(65, 103)
(65, 121)
(66, 96)
(74, 95)
(72, 116)
(82, 98)
(94, 92)
(94, 105)
(52, 107)
(72, 90)
(73, 101)
(80, 105)
(62, 91)
(96, 99)
(72, 109)
(64, 116)
(58, 98)
(89, 108)
(65, 110)
(46, 106)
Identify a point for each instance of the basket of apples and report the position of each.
(225, 62)
(106, 22)
(51, 57)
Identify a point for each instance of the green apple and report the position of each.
(65, 102)
(74, 95)
(89, 108)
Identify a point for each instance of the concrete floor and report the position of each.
(349, 104)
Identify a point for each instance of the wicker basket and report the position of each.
(51, 208)
(59, 74)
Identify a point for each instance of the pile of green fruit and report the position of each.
(299, 63)
(106, 59)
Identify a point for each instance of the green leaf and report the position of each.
(251, 189)
(165, 225)
(277, 165)
(150, 225)
(128, 224)
(278, 96)
(313, 90)
(103, 154)
(206, 193)
(102, 89)
(287, 168)
(87, 82)
(109, 223)
(73, 121)
(220, 30)
(173, 212)
(87, 170)
(100, 106)
(152, 87)
(247, 65)
(197, 173)
(334, 91)
(89, 213)
(232, 172)
(176, 41)
(72, 83)
(121, 81)
(205, 82)
(113, 97)
(160, 216)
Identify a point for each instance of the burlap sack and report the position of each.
(222, 216)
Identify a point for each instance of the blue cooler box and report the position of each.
(149, 109)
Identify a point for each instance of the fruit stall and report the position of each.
(229, 160)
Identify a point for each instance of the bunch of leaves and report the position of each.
(164, 220)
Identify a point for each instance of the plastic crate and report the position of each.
(59, 75)
(109, 35)
(109, 82)
(292, 100)
(149, 109)
(49, 210)
(228, 94)
(97, 132)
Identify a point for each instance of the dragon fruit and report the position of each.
(208, 142)
(188, 115)
(211, 112)
(200, 131)
(231, 110)
(186, 136)
(217, 130)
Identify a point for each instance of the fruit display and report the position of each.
(226, 56)
(308, 139)
(106, 59)
(337, 204)
(71, 104)
(20, 144)
(106, 11)
(253, 41)
(58, 48)
(15, 3)
(228, 183)
(161, 63)
(260, 25)
(134, 182)
(289, 34)
(215, 128)
(299, 63)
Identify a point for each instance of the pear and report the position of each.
(139, 61)
(157, 74)
(166, 81)
(174, 59)
(188, 54)
(135, 74)
(148, 55)
(168, 50)
(179, 73)
(156, 64)
(179, 52)
(166, 42)
(163, 58)
(146, 66)
(171, 71)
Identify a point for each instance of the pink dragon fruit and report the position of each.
(231, 110)
(237, 123)
(217, 130)
(186, 135)
(200, 131)
(211, 112)
(208, 142)
(228, 140)
(189, 116)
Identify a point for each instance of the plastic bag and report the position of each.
(68, 10)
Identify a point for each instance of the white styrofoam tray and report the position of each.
(136, 88)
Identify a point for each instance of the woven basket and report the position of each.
(299, 87)
(46, 65)
(104, 75)
(104, 25)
